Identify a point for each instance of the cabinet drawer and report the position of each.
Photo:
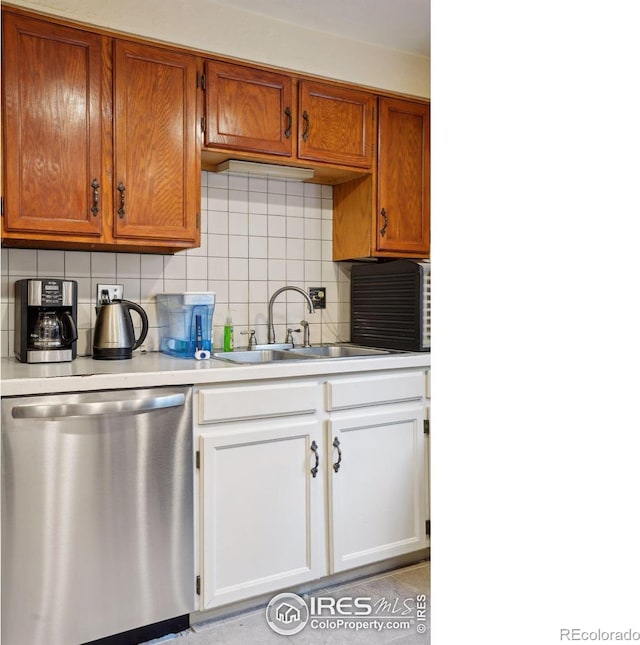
(373, 390)
(256, 401)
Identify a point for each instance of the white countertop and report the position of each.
(156, 369)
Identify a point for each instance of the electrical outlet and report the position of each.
(318, 296)
(115, 292)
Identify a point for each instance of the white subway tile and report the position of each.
(239, 268)
(77, 264)
(277, 186)
(295, 271)
(151, 266)
(238, 223)
(103, 265)
(218, 245)
(312, 250)
(326, 191)
(312, 190)
(218, 268)
(175, 267)
(295, 188)
(312, 207)
(276, 204)
(221, 289)
(197, 285)
(238, 291)
(218, 222)
(217, 199)
(217, 180)
(258, 202)
(295, 206)
(295, 227)
(128, 265)
(277, 269)
(150, 287)
(277, 248)
(196, 268)
(277, 226)
(50, 263)
(239, 201)
(238, 246)
(23, 263)
(238, 182)
(131, 288)
(174, 286)
(258, 292)
(258, 224)
(258, 184)
(312, 271)
(258, 247)
(312, 229)
(295, 249)
(258, 268)
(326, 231)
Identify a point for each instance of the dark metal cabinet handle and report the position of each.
(305, 133)
(314, 450)
(336, 445)
(385, 217)
(287, 132)
(96, 197)
(121, 188)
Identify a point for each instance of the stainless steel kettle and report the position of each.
(114, 336)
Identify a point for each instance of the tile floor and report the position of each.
(251, 628)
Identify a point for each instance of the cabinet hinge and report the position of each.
(198, 585)
(203, 124)
(198, 221)
(427, 430)
(427, 527)
(1, 206)
(197, 459)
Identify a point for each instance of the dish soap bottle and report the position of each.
(228, 334)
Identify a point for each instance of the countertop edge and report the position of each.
(155, 370)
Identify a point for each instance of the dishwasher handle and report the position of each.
(95, 408)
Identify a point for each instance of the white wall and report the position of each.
(204, 25)
(257, 236)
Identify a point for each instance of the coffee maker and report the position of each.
(45, 320)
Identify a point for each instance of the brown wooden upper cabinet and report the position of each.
(387, 214)
(248, 109)
(257, 111)
(53, 122)
(336, 124)
(91, 167)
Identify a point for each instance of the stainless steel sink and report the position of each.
(337, 351)
(259, 356)
(325, 351)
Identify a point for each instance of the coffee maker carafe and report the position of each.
(45, 320)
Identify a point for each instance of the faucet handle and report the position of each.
(252, 343)
(290, 332)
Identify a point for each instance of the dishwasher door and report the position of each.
(97, 514)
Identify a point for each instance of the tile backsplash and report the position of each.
(258, 235)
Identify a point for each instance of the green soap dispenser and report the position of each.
(228, 333)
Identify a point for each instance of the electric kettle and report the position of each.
(114, 336)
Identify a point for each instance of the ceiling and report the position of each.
(398, 24)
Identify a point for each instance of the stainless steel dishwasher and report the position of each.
(97, 514)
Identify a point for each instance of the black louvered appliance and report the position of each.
(390, 305)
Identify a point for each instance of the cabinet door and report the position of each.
(248, 109)
(378, 485)
(335, 124)
(262, 509)
(52, 129)
(157, 173)
(403, 177)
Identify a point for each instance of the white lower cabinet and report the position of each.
(302, 478)
(378, 487)
(262, 509)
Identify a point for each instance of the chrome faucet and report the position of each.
(271, 330)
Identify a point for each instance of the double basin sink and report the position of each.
(271, 353)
